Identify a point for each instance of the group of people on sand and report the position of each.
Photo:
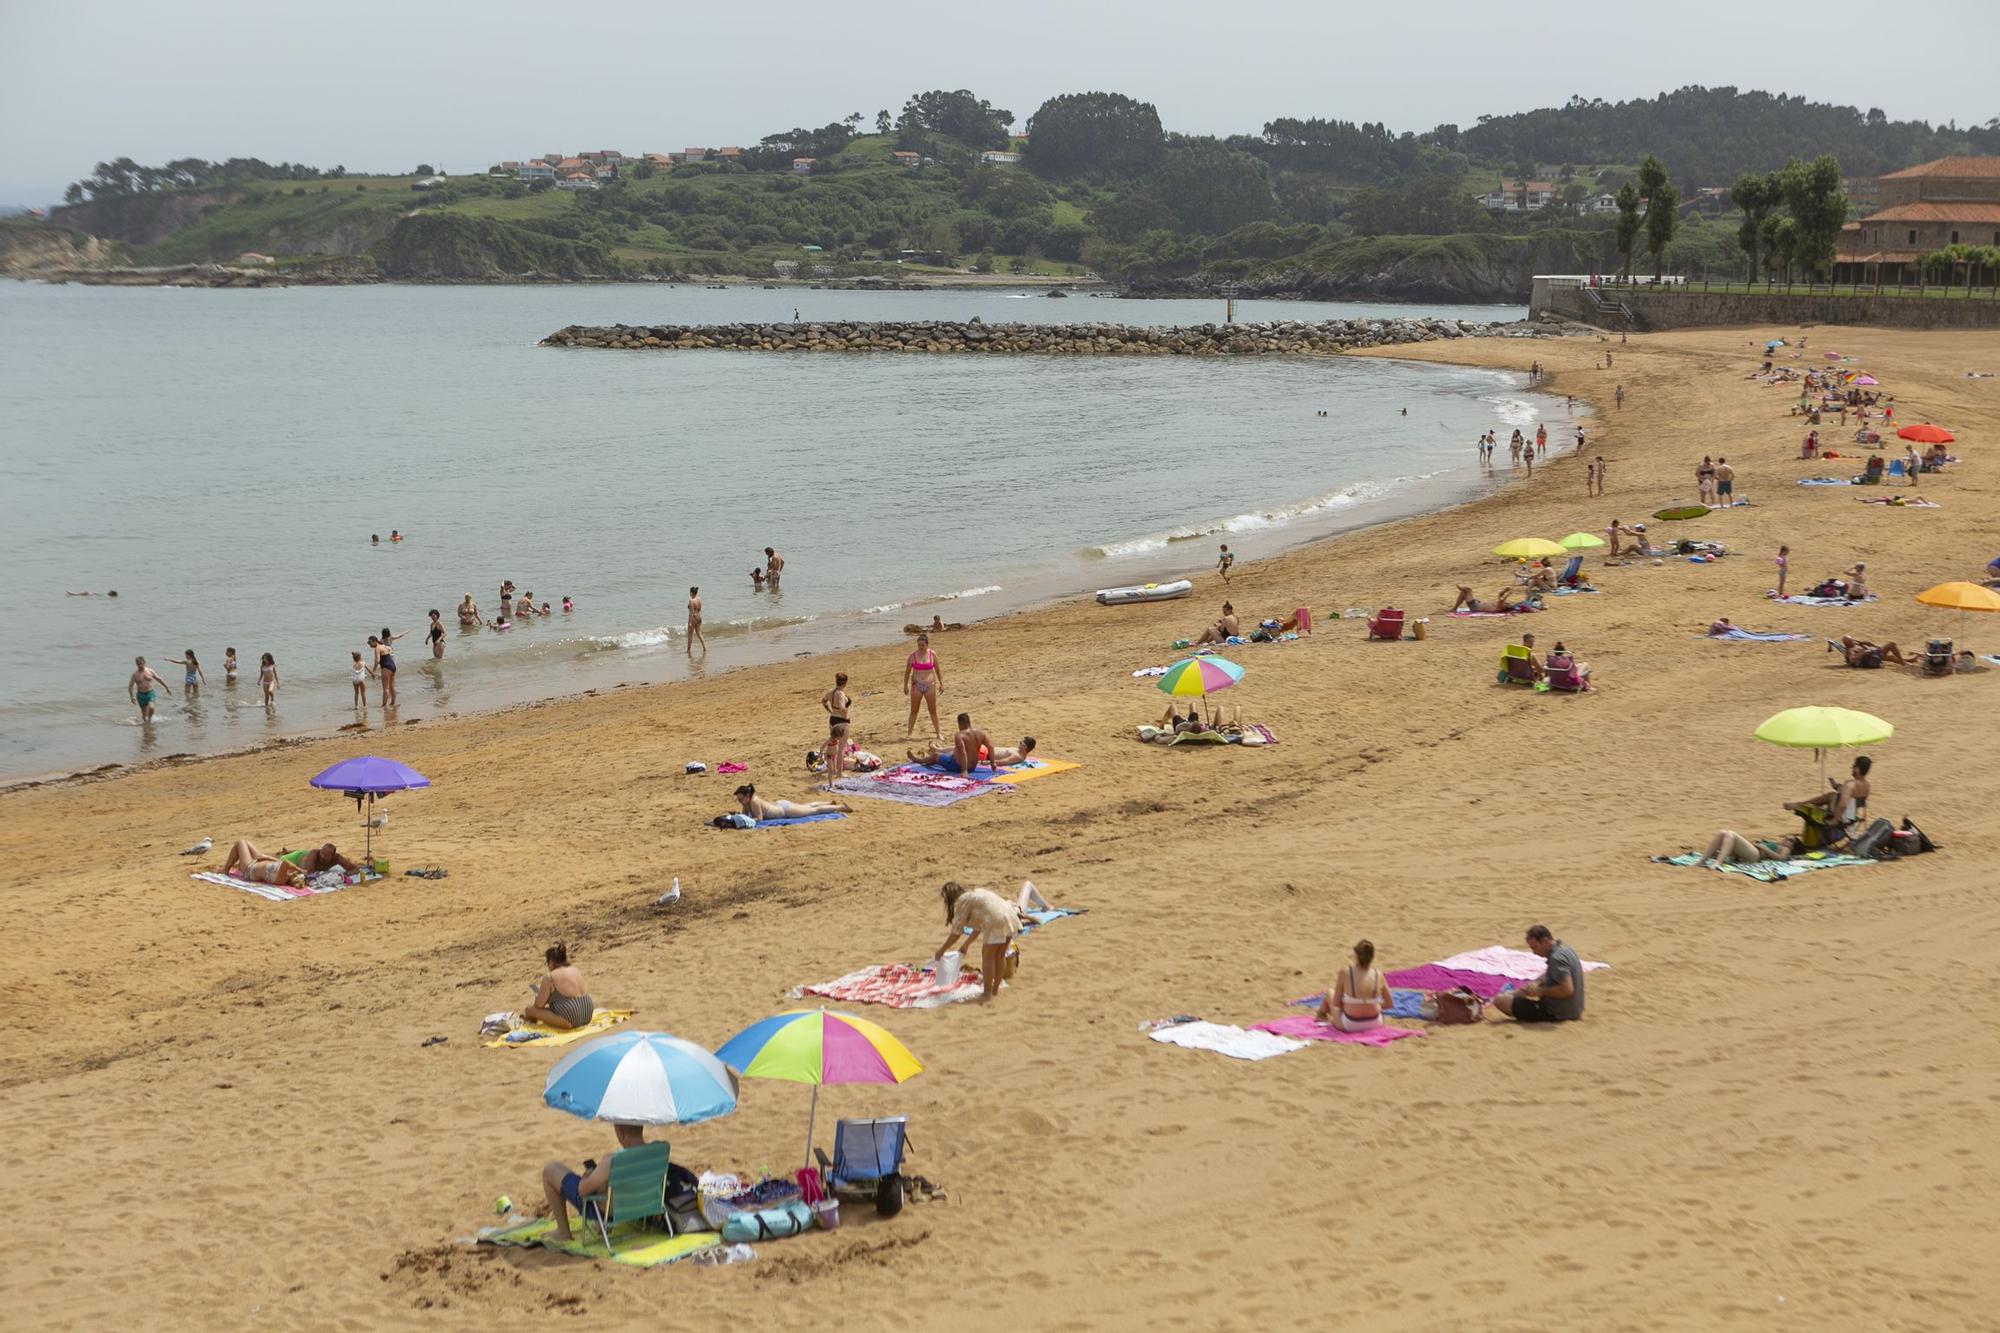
(145, 685)
(285, 867)
(1830, 819)
(1360, 998)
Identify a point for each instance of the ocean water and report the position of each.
(222, 458)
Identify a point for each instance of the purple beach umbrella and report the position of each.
(365, 778)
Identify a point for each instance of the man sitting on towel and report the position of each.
(1558, 996)
(1004, 757)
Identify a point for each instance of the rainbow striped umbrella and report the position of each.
(1200, 675)
(818, 1046)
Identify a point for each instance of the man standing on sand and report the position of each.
(1558, 996)
(142, 686)
(1579, 443)
(1725, 483)
(1600, 463)
(774, 565)
(694, 623)
(967, 745)
(1542, 439)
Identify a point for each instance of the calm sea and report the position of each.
(221, 459)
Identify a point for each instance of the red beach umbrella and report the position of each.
(1926, 433)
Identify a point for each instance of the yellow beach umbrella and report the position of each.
(1961, 597)
(1528, 548)
(1823, 729)
(1580, 541)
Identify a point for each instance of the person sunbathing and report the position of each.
(757, 807)
(1500, 604)
(246, 862)
(1005, 756)
(1721, 628)
(1868, 656)
(1729, 845)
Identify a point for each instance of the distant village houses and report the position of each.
(996, 159)
(1952, 201)
(1520, 196)
(802, 166)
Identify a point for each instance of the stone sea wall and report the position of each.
(1285, 336)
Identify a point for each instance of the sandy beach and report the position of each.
(1779, 1110)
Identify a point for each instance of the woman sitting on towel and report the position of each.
(561, 999)
(1355, 1003)
(757, 807)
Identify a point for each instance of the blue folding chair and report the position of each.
(868, 1158)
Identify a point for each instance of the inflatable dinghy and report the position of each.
(1145, 592)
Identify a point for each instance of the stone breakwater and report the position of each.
(1286, 336)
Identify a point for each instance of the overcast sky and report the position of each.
(382, 86)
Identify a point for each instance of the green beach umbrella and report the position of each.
(1821, 729)
(1681, 513)
(1528, 548)
(1580, 541)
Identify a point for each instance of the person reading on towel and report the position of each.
(1868, 656)
(1355, 1002)
(986, 914)
(561, 999)
(566, 1189)
(1003, 757)
(1842, 805)
(1558, 996)
(757, 807)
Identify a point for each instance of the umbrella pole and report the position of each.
(811, 1116)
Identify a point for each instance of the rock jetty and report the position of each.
(1284, 336)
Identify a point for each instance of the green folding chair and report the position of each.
(637, 1187)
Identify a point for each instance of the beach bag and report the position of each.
(1873, 839)
(771, 1224)
(1459, 1005)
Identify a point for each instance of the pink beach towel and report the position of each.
(1304, 1027)
(1432, 977)
(897, 985)
(1303, 617)
(1500, 961)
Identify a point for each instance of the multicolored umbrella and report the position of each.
(1926, 433)
(641, 1078)
(1199, 676)
(1822, 729)
(1527, 548)
(364, 778)
(818, 1046)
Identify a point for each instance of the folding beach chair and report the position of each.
(1572, 573)
(1515, 667)
(868, 1159)
(636, 1190)
(1569, 679)
(1386, 624)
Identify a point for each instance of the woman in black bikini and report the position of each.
(436, 637)
(385, 664)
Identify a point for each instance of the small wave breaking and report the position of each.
(1255, 520)
(713, 629)
(958, 596)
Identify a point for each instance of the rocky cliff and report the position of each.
(31, 248)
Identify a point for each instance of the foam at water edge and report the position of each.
(961, 595)
(1256, 520)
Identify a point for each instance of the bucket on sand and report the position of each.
(948, 966)
(1418, 628)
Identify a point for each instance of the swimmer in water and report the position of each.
(694, 622)
(394, 535)
(229, 668)
(143, 685)
(756, 581)
(468, 613)
(435, 637)
(374, 539)
(267, 677)
(568, 605)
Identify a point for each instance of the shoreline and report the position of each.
(1412, 802)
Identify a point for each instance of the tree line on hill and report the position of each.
(122, 177)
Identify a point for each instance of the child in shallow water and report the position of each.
(229, 666)
(361, 675)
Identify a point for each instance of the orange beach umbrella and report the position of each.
(1926, 433)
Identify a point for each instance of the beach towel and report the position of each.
(1824, 481)
(1226, 1040)
(898, 986)
(326, 882)
(636, 1244)
(535, 1034)
(800, 819)
(1771, 871)
(1149, 671)
(1805, 599)
(1737, 634)
(1500, 961)
(1431, 977)
(1565, 592)
(1402, 1003)
(1901, 502)
(1304, 1027)
(1034, 768)
(1493, 615)
(1262, 733)
(916, 787)
(1029, 920)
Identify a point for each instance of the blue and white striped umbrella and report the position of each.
(641, 1078)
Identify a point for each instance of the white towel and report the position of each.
(1230, 1041)
(1500, 961)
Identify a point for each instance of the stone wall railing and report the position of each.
(974, 336)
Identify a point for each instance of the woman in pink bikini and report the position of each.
(923, 679)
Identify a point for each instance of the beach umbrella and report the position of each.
(1866, 379)
(641, 1078)
(1682, 513)
(1527, 548)
(818, 1046)
(1822, 729)
(1775, 342)
(1580, 541)
(1961, 597)
(365, 778)
(1200, 676)
(1831, 356)
(1926, 433)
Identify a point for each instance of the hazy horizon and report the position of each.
(460, 85)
